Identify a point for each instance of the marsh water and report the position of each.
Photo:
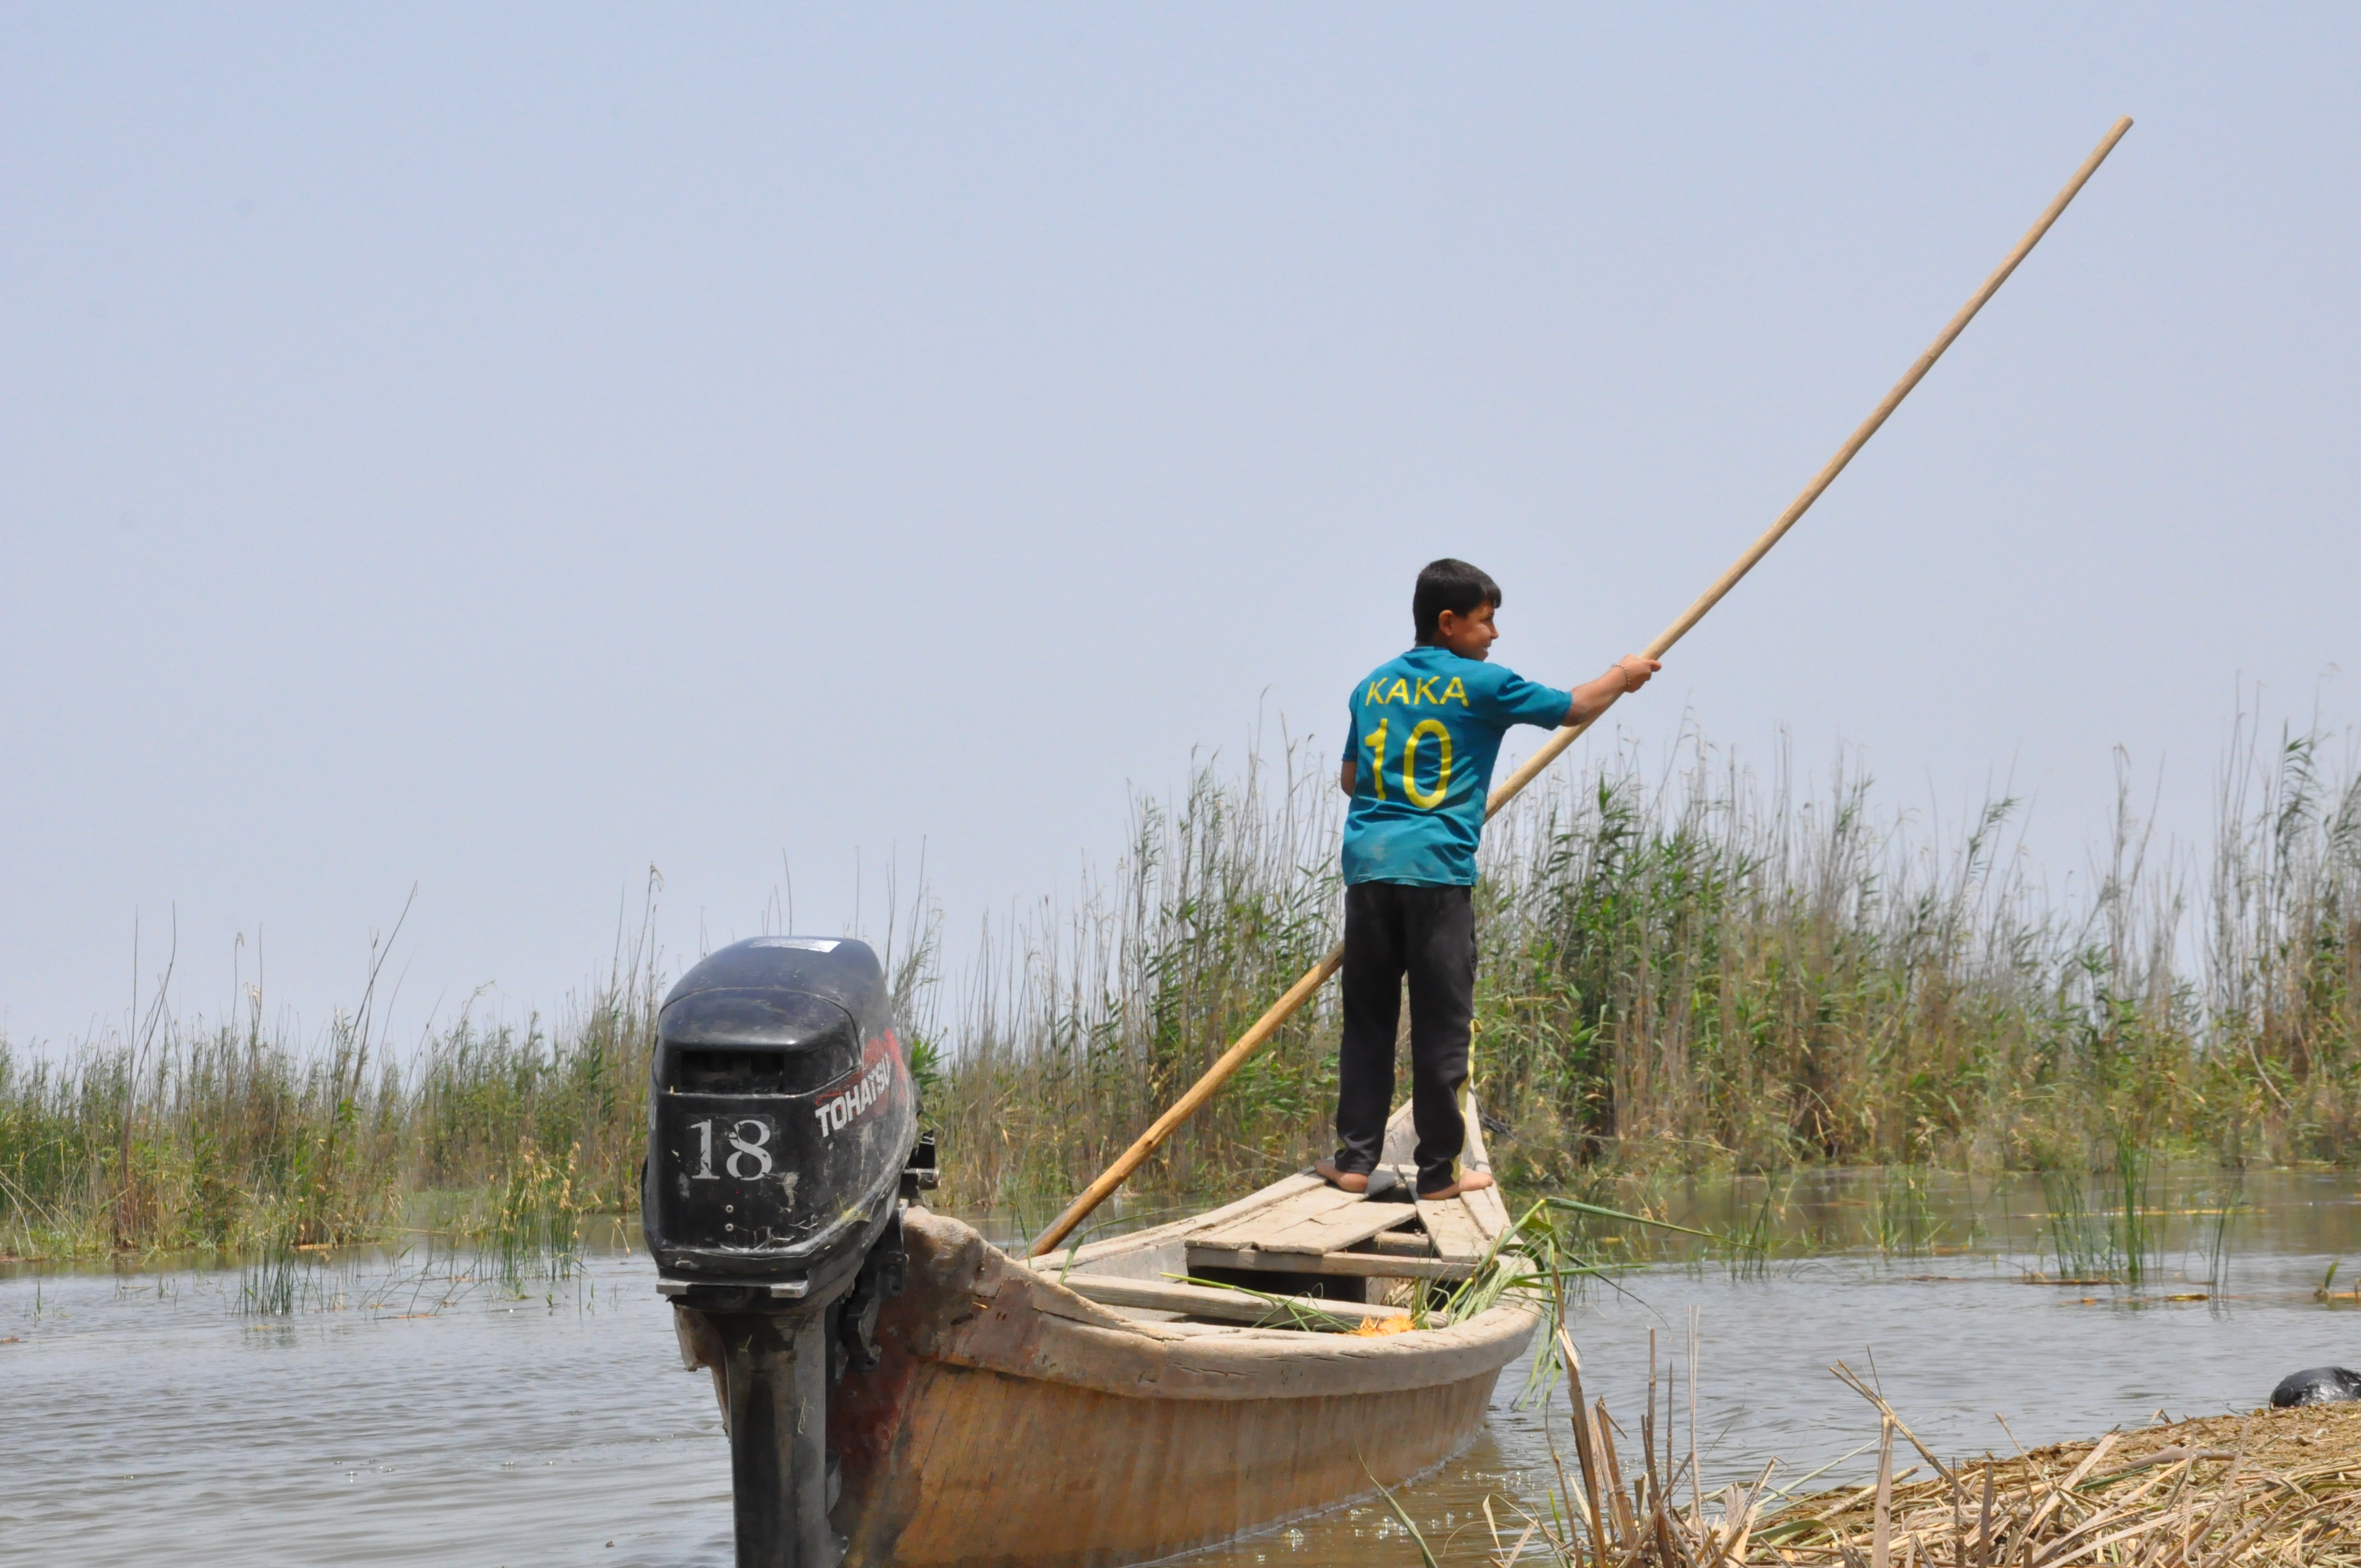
(448, 1407)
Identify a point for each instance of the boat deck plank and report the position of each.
(1286, 1186)
(1457, 1237)
(1251, 1230)
(1302, 1218)
(1483, 1206)
(1337, 1229)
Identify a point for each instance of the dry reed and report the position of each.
(2275, 1486)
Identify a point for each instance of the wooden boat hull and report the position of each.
(1014, 1422)
(1011, 1422)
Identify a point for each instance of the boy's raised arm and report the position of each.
(1592, 698)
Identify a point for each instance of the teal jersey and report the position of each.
(1426, 729)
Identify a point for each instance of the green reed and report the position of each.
(535, 1231)
(246, 1139)
(2082, 1245)
(1902, 1221)
(1703, 970)
(267, 1283)
(1688, 970)
(2228, 1203)
(2112, 1230)
(1751, 1243)
(2139, 1233)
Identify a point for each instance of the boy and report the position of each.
(1418, 763)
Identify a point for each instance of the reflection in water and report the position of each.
(147, 1418)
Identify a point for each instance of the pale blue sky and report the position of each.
(497, 449)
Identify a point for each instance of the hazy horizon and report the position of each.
(495, 453)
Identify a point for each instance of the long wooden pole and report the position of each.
(1302, 990)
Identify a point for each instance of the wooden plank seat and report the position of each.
(1397, 1244)
(1205, 1301)
(1368, 1265)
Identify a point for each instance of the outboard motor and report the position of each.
(781, 1124)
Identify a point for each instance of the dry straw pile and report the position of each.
(2277, 1486)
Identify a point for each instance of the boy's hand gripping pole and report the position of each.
(1302, 990)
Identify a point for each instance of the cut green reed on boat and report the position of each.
(1685, 971)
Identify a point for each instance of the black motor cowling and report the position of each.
(781, 1125)
(779, 1121)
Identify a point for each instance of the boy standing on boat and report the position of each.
(1418, 763)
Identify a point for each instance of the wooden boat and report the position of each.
(1088, 1408)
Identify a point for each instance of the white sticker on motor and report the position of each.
(801, 944)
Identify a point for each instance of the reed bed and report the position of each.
(246, 1139)
(1700, 969)
(1683, 970)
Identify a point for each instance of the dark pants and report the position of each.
(1393, 930)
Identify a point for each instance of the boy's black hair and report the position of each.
(1449, 585)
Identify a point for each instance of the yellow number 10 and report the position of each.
(1417, 797)
(1423, 799)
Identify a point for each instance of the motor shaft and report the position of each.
(775, 1369)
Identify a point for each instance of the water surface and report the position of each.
(402, 1417)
